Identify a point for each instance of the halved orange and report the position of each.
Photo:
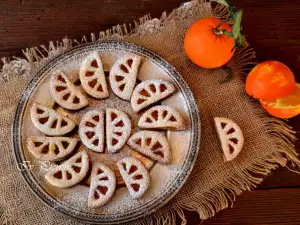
(286, 107)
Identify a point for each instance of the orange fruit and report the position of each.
(284, 107)
(206, 46)
(270, 80)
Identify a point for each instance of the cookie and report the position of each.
(149, 92)
(231, 137)
(65, 93)
(118, 129)
(135, 175)
(49, 121)
(123, 76)
(51, 148)
(92, 76)
(103, 185)
(91, 130)
(152, 144)
(70, 172)
(162, 117)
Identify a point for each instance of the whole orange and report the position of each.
(270, 80)
(206, 46)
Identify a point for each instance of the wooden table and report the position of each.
(272, 28)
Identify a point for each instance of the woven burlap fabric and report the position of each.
(268, 141)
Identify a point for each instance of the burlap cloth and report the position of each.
(269, 141)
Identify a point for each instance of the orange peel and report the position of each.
(270, 80)
(286, 107)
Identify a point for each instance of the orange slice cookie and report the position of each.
(231, 137)
(149, 92)
(103, 185)
(135, 175)
(91, 130)
(51, 148)
(162, 117)
(118, 129)
(70, 172)
(49, 121)
(152, 144)
(92, 77)
(65, 93)
(123, 75)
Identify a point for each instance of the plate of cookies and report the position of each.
(106, 133)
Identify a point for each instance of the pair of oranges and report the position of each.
(274, 84)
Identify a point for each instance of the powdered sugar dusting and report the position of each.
(165, 179)
(125, 166)
(123, 75)
(149, 92)
(121, 202)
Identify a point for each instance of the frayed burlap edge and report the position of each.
(222, 195)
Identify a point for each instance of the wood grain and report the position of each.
(272, 28)
(27, 23)
(259, 207)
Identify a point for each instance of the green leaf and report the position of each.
(223, 2)
(235, 45)
(230, 11)
(241, 40)
(228, 77)
(228, 34)
(236, 30)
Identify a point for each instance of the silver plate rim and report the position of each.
(188, 164)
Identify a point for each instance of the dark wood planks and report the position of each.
(271, 27)
(27, 23)
(272, 30)
(260, 207)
